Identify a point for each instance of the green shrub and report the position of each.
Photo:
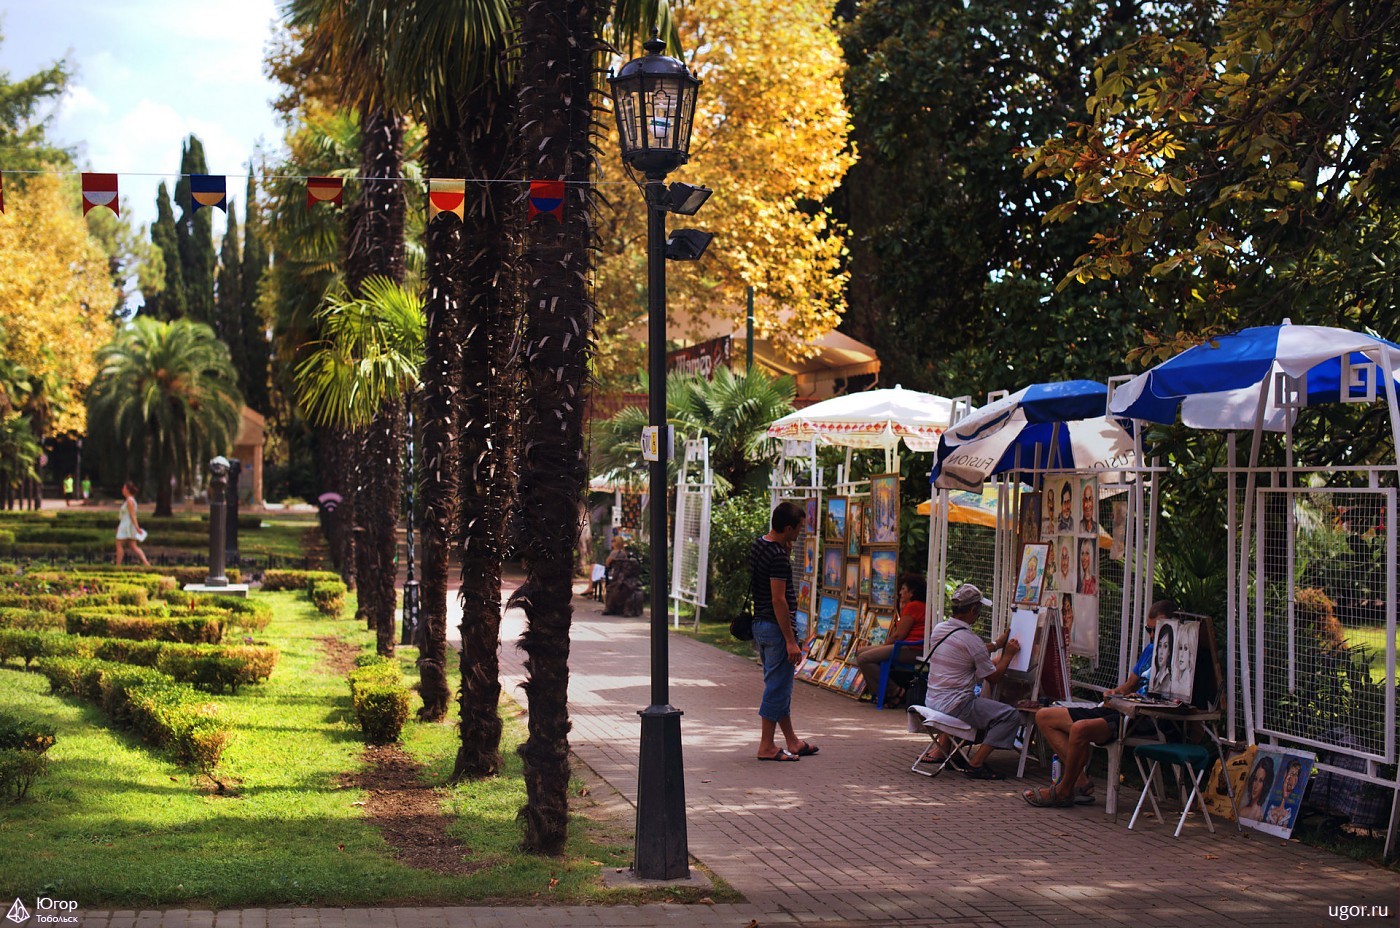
(216, 668)
(328, 596)
(12, 617)
(736, 523)
(19, 770)
(32, 645)
(246, 614)
(156, 609)
(379, 698)
(7, 540)
(161, 710)
(192, 629)
(48, 602)
(24, 734)
(275, 581)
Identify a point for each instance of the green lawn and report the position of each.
(115, 824)
(1372, 637)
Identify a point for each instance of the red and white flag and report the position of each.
(100, 190)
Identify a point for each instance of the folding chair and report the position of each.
(961, 734)
(1197, 761)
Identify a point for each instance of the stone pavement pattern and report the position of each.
(851, 838)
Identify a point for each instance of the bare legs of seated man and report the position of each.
(1074, 742)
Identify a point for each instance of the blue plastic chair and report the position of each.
(887, 665)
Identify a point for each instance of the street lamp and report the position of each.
(654, 101)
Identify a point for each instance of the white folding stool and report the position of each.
(962, 735)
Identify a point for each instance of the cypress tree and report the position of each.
(196, 237)
(257, 349)
(228, 296)
(170, 302)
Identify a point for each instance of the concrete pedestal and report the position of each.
(233, 589)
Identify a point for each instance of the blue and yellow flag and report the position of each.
(208, 190)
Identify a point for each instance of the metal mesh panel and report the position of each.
(971, 559)
(692, 544)
(1322, 618)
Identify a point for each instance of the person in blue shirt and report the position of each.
(1072, 732)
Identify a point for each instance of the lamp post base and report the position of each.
(661, 850)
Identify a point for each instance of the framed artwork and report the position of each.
(1273, 789)
(846, 622)
(801, 620)
(1062, 490)
(855, 511)
(1174, 649)
(884, 505)
(851, 591)
(884, 575)
(834, 529)
(833, 567)
(1031, 577)
(809, 556)
(808, 668)
(1049, 508)
(1066, 577)
(1088, 523)
(804, 593)
(1030, 518)
(810, 507)
(1088, 580)
(865, 576)
(827, 608)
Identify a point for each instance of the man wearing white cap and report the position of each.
(958, 660)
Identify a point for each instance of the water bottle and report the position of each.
(1056, 771)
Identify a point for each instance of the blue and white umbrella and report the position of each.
(1219, 384)
(1042, 427)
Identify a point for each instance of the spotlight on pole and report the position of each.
(686, 199)
(687, 244)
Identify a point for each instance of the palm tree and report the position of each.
(732, 410)
(365, 365)
(164, 401)
(19, 453)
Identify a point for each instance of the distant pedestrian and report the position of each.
(774, 602)
(129, 531)
(68, 490)
(87, 489)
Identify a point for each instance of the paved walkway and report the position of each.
(851, 837)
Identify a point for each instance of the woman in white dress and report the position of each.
(129, 532)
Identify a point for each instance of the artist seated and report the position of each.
(1072, 733)
(909, 628)
(958, 659)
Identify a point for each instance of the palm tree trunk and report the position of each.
(335, 458)
(374, 248)
(442, 387)
(556, 119)
(490, 377)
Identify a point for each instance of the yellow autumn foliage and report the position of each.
(771, 140)
(56, 293)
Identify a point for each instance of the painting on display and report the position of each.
(1273, 790)
(834, 528)
(809, 555)
(851, 590)
(1087, 581)
(809, 506)
(1061, 491)
(884, 505)
(846, 621)
(827, 607)
(1030, 518)
(1031, 577)
(804, 593)
(1082, 624)
(1065, 578)
(884, 575)
(865, 576)
(833, 567)
(1088, 508)
(854, 513)
(1174, 648)
(800, 620)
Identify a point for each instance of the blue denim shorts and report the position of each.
(777, 671)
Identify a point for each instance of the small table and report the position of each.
(1137, 709)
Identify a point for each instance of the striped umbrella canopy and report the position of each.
(1218, 384)
(1041, 427)
(873, 419)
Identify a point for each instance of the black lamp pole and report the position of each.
(654, 101)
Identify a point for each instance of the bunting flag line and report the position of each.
(547, 199)
(324, 190)
(209, 190)
(446, 196)
(100, 190)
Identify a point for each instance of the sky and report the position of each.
(148, 74)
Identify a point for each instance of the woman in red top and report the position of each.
(908, 628)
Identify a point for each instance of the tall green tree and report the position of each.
(27, 107)
(953, 275)
(254, 357)
(195, 237)
(168, 301)
(228, 292)
(164, 401)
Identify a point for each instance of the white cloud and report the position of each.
(80, 103)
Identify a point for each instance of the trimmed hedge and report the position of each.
(29, 645)
(192, 629)
(379, 698)
(15, 617)
(207, 666)
(276, 581)
(22, 746)
(328, 596)
(161, 710)
(46, 602)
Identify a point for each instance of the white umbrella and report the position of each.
(873, 419)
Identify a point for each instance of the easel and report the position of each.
(1047, 629)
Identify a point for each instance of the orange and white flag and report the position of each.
(446, 196)
(324, 190)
